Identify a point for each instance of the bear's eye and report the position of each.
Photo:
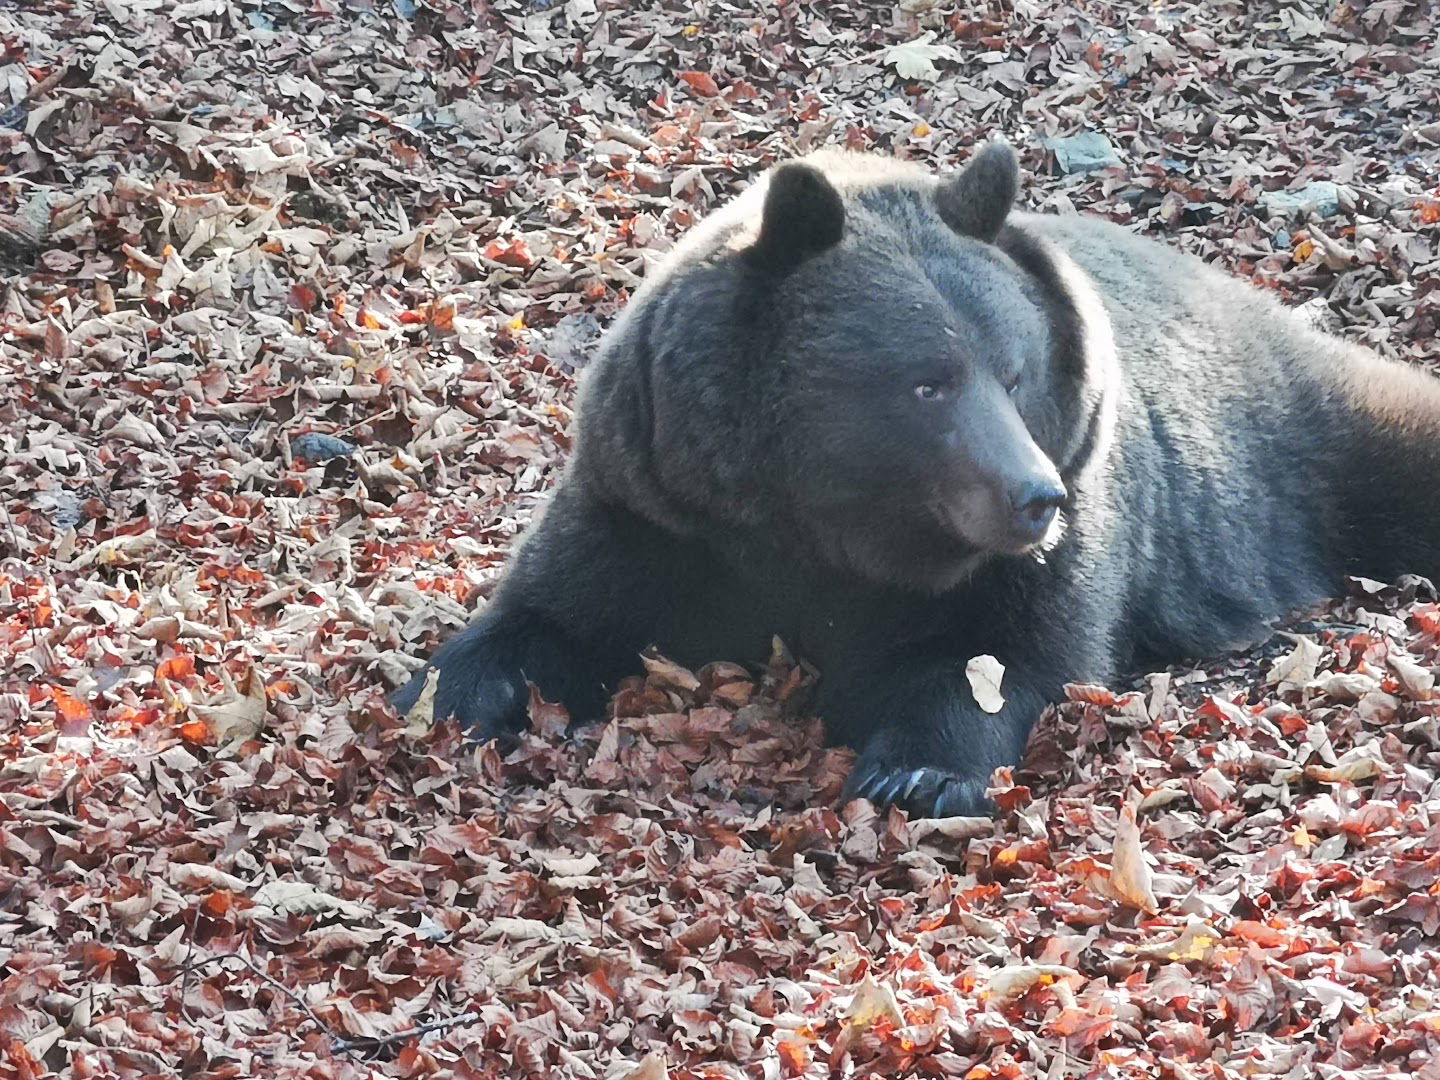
(927, 391)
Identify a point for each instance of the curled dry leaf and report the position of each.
(420, 717)
(1418, 682)
(874, 1000)
(1011, 982)
(668, 674)
(1297, 667)
(1131, 880)
(1346, 685)
(286, 898)
(1193, 945)
(949, 831)
(119, 551)
(1359, 763)
(240, 712)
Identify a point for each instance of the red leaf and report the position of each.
(701, 82)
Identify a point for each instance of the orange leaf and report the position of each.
(195, 733)
(1265, 936)
(217, 904)
(794, 1056)
(177, 667)
(1090, 694)
(69, 707)
(701, 82)
(515, 252)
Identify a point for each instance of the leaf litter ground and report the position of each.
(294, 291)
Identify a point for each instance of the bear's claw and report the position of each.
(922, 792)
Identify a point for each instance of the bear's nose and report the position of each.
(1035, 504)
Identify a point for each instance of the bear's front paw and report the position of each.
(921, 790)
(486, 672)
(483, 677)
(486, 700)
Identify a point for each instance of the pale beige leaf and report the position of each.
(652, 1068)
(1011, 982)
(874, 1001)
(1297, 667)
(1359, 763)
(985, 674)
(420, 717)
(1130, 875)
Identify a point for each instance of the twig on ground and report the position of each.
(338, 1043)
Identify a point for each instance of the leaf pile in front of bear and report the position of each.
(294, 295)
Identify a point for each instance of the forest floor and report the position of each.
(293, 295)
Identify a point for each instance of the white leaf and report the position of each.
(985, 673)
(1417, 681)
(914, 61)
(1297, 667)
(302, 898)
(652, 1068)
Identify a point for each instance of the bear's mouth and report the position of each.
(989, 537)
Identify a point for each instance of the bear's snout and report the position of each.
(1035, 503)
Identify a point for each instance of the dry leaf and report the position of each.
(1360, 763)
(651, 1068)
(1131, 880)
(914, 61)
(1297, 667)
(874, 1001)
(420, 717)
(240, 713)
(985, 674)
(1011, 982)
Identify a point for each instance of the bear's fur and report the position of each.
(845, 411)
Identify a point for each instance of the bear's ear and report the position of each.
(976, 201)
(803, 216)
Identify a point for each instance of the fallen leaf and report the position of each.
(985, 674)
(1297, 667)
(651, 1068)
(874, 1001)
(1011, 982)
(914, 61)
(1131, 880)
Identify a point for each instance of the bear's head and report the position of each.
(855, 361)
